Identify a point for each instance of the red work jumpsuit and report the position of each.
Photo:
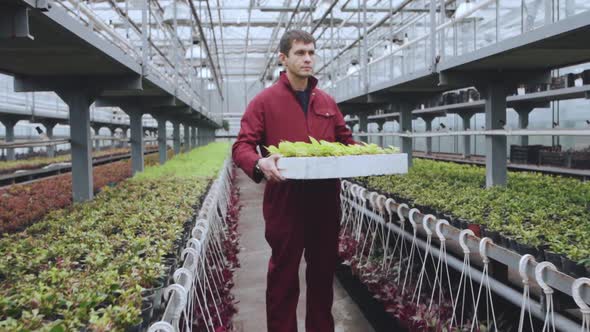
(298, 214)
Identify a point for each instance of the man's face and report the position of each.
(300, 60)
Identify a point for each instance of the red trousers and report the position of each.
(309, 227)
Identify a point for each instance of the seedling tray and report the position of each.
(301, 168)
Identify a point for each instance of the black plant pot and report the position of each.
(573, 268)
(179, 245)
(170, 262)
(188, 223)
(512, 244)
(426, 210)
(154, 294)
(168, 255)
(422, 208)
(494, 235)
(449, 217)
(455, 223)
(542, 249)
(503, 241)
(135, 328)
(524, 249)
(171, 265)
(482, 230)
(554, 258)
(147, 311)
(186, 237)
(463, 223)
(439, 214)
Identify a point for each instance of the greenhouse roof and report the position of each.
(242, 36)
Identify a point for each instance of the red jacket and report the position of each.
(275, 115)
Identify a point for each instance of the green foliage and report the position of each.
(324, 149)
(535, 209)
(204, 161)
(86, 266)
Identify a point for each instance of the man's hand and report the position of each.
(268, 166)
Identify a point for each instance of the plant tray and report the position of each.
(581, 160)
(301, 168)
(519, 154)
(557, 159)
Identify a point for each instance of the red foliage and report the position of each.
(23, 205)
(386, 288)
(223, 301)
(41, 162)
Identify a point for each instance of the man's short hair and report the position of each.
(294, 35)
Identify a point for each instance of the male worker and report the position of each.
(299, 215)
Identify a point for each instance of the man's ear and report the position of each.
(282, 57)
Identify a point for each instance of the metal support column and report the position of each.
(363, 126)
(523, 121)
(176, 136)
(187, 138)
(201, 135)
(466, 120)
(49, 126)
(124, 136)
(548, 12)
(162, 147)
(79, 106)
(193, 137)
(137, 148)
(112, 129)
(96, 129)
(428, 121)
(405, 125)
(496, 150)
(380, 129)
(14, 23)
(9, 124)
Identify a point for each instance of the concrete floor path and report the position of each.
(250, 279)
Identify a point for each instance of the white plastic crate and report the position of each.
(343, 167)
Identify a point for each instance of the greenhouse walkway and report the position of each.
(250, 279)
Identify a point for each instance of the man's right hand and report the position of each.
(269, 168)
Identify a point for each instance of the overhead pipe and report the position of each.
(215, 40)
(275, 31)
(222, 46)
(276, 49)
(492, 132)
(399, 8)
(369, 30)
(328, 11)
(208, 51)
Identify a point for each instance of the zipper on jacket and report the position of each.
(311, 95)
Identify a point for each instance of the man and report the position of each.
(299, 215)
